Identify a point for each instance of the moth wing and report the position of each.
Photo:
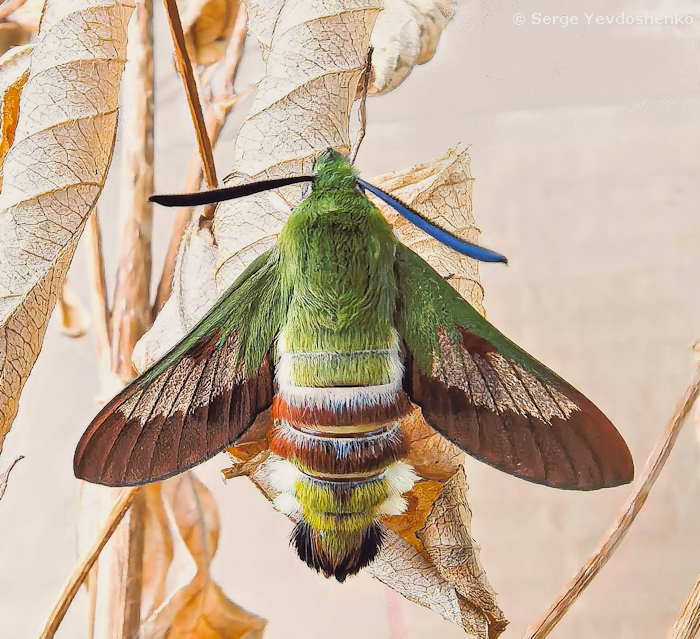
(197, 400)
(493, 400)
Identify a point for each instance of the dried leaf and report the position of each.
(5, 476)
(446, 537)
(74, 316)
(442, 191)
(54, 172)
(198, 609)
(158, 551)
(407, 33)
(14, 71)
(193, 293)
(401, 567)
(208, 25)
(314, 53)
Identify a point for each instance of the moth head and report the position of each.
(334, 171)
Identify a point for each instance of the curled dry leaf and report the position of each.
(441, 190)
(207, 25)
(14, 71)
(407, 33)
(197, 609)
(446, 537)
(54, 172)
(74, 316)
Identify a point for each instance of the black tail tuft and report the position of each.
(309, 546)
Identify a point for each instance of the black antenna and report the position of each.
(226, 193)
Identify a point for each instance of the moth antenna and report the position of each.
(452, 241)
(363, 106)
(226, 193)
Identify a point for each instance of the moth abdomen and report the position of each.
(339, 449)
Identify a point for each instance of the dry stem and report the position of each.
(124, 613)
(98, 286)
(687, 623)
(363, 106)
(4, 477)
(91, 584)
(131, 315)
(616, 533)
(87, 561)
(187, 74)
(217, 112)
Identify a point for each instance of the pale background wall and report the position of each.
(585, 149)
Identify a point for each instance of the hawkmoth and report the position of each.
(340, 329)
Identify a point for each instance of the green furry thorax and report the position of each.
(337, 258)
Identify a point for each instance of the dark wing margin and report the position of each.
(495, 401)
(189, 412)
(200, 397)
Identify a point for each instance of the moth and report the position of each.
(340, 329)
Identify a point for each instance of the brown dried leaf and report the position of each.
(198, 609)
(158, 550)
(406, 33)
(441, 190)
(446, 537)
(14, 71)
(207, 25)
(404, 569)
(54, 172)
(202, 611)
(433, 456)
(74, 316)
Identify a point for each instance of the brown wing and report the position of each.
(165, 423)
(528, 424)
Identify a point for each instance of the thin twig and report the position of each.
(687, 623)
(363, 106)
(616, 533)
(9, 7)
(98, 286)
(4, 477)
(185, 67)
(87, 561)
(234, 49)
(126, 573)
(131, 311)
(217, 112)
(92, 580)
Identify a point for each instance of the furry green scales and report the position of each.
(339, 329)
